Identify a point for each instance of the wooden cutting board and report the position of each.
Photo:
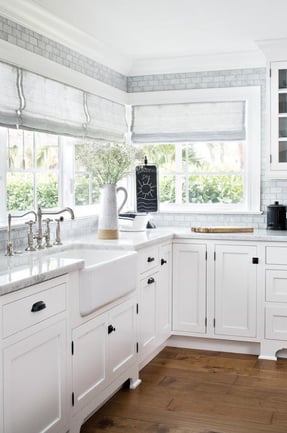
(222, 229)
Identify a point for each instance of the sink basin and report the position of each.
(108, 274)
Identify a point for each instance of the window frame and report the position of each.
(252, 97)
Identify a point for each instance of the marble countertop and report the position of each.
(26, 269)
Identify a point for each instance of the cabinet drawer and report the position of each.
(148, 259)
(276, 255)
(276, 285)
(276, 322)
(30, 310)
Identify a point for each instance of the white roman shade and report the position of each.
(198, 121)
(107, 119)
(38, 103)
(9, 100)
(52, 106)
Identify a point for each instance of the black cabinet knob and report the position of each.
(111, 329)
(150, 259)
(150, 280)
(162, 262)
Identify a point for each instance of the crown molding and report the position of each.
(16, 56)
(273, 49)
(38, 19)
(197, 63)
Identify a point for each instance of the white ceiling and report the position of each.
(146, 30)
(165, 28)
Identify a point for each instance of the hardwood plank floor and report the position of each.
(192, 391)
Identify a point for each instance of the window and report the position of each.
(200, 173)
(32, 170)
(206, 144)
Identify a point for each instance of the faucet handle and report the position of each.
(30, 246)
(47, 234)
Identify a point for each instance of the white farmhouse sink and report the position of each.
(108, 274)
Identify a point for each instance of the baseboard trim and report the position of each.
(244, 347)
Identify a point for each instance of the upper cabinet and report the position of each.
(278, 122)
(275, 54)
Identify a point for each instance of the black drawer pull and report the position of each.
(111, 329)
(150, 280)
(163, 261)
(150, 259)
(38, 306)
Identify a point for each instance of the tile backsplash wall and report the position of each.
(271, 190)
(29, 40)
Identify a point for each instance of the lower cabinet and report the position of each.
(235, 309)
(154, 299)
(103, 348)
(215, 290)
(34, 376)
(275, 302)
(189, 288)
(34, 359)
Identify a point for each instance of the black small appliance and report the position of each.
(276, 216)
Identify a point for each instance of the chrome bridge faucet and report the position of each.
(40, 235)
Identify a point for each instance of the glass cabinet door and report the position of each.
(278, 99)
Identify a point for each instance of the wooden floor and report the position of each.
(192, 391)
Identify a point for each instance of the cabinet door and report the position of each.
(279, 116)
(121, 338)
(35, 382)
(89, 359)
(147, 314)
(189, 288)
(164, 293)
(235, 290)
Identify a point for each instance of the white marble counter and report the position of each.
(27, 269)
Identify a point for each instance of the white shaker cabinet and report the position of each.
(34, 356)
(215, 290)
(189, 288)
(155, 266)
(235, 297)
(103, 349)
(275, 301)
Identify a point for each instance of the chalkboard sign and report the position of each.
(146, 188)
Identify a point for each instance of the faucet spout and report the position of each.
(65, 209)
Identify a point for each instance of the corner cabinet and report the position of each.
(34, 358)
(215, 290)
(278, 119)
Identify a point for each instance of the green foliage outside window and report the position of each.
(20, 195)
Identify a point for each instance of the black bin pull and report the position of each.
(150, 259)
(38, 306)
(150, 280)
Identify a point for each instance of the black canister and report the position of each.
(276, 216)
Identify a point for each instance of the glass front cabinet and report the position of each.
(278, 125)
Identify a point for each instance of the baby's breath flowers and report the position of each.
(108, 162)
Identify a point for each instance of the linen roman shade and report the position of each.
(107, 119)
(38, 103)
(9, 100)
(52, 106)
(198, 121)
